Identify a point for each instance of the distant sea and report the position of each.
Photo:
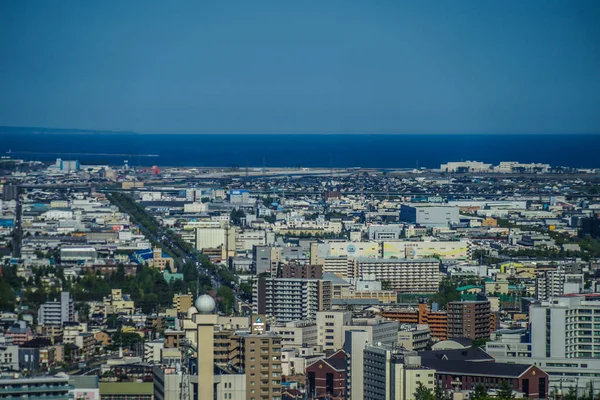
(368, 151)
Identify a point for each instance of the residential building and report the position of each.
(306, 271)
(55, 387)
(57, 312)
(469, 319)
(290, 299)
(262, 366)
(554, 283)
(422, 315)
(392, 373)
(414, 337)
(567, 340)
(296, 334)
(118, 303)
(404, 276)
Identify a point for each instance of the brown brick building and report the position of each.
(301, 271)
(469, 319)
(326, 378)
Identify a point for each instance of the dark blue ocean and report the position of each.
(373, 151)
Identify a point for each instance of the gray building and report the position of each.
(384, 232)
(354, 345)
(290, 299)
(392, 373)
(55, 387)
(57, 312)
(430, 216)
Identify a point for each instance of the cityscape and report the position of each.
(470, 280)
(299, 200)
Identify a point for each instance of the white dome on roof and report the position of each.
(205, 304)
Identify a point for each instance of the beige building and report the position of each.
(183, 302)
(338, 266)
(297, 334)
(329, 326)
(118, 303)
(403, 276)
(262, 367)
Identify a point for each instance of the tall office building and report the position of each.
(392, 373)
(469, 319)
(57, 312)
(355, 342)
(290, 299)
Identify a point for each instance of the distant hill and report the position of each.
(52, 131)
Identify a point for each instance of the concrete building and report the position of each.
(429, 216)
(266, 259)
(414, 337)
(291, 299)
(446, 250)
(384, 232)
(296, 334)
(378, 330)
(554, 283)
(339, 266)
(466, 166)
(262, 366)
(35, 388)
(330, 326)
(229, 384)
(57, 312)
(422, 315)
(392, 373)
(78, 254)
(403, 276)
(469, 319)
(210, 238)
(355, 342)
(564, 340)
(307, 271)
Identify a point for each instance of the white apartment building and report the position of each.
(549, 284)
(287, 300)
(58, 311)
(564, 341)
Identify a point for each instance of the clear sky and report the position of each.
(324, 66)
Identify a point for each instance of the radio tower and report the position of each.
(184, 387)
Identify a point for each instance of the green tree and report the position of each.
(571, 394)
(505, 391)
(441, 394)
(422, 393)
(479, 393)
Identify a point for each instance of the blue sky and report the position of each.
(480, 66)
